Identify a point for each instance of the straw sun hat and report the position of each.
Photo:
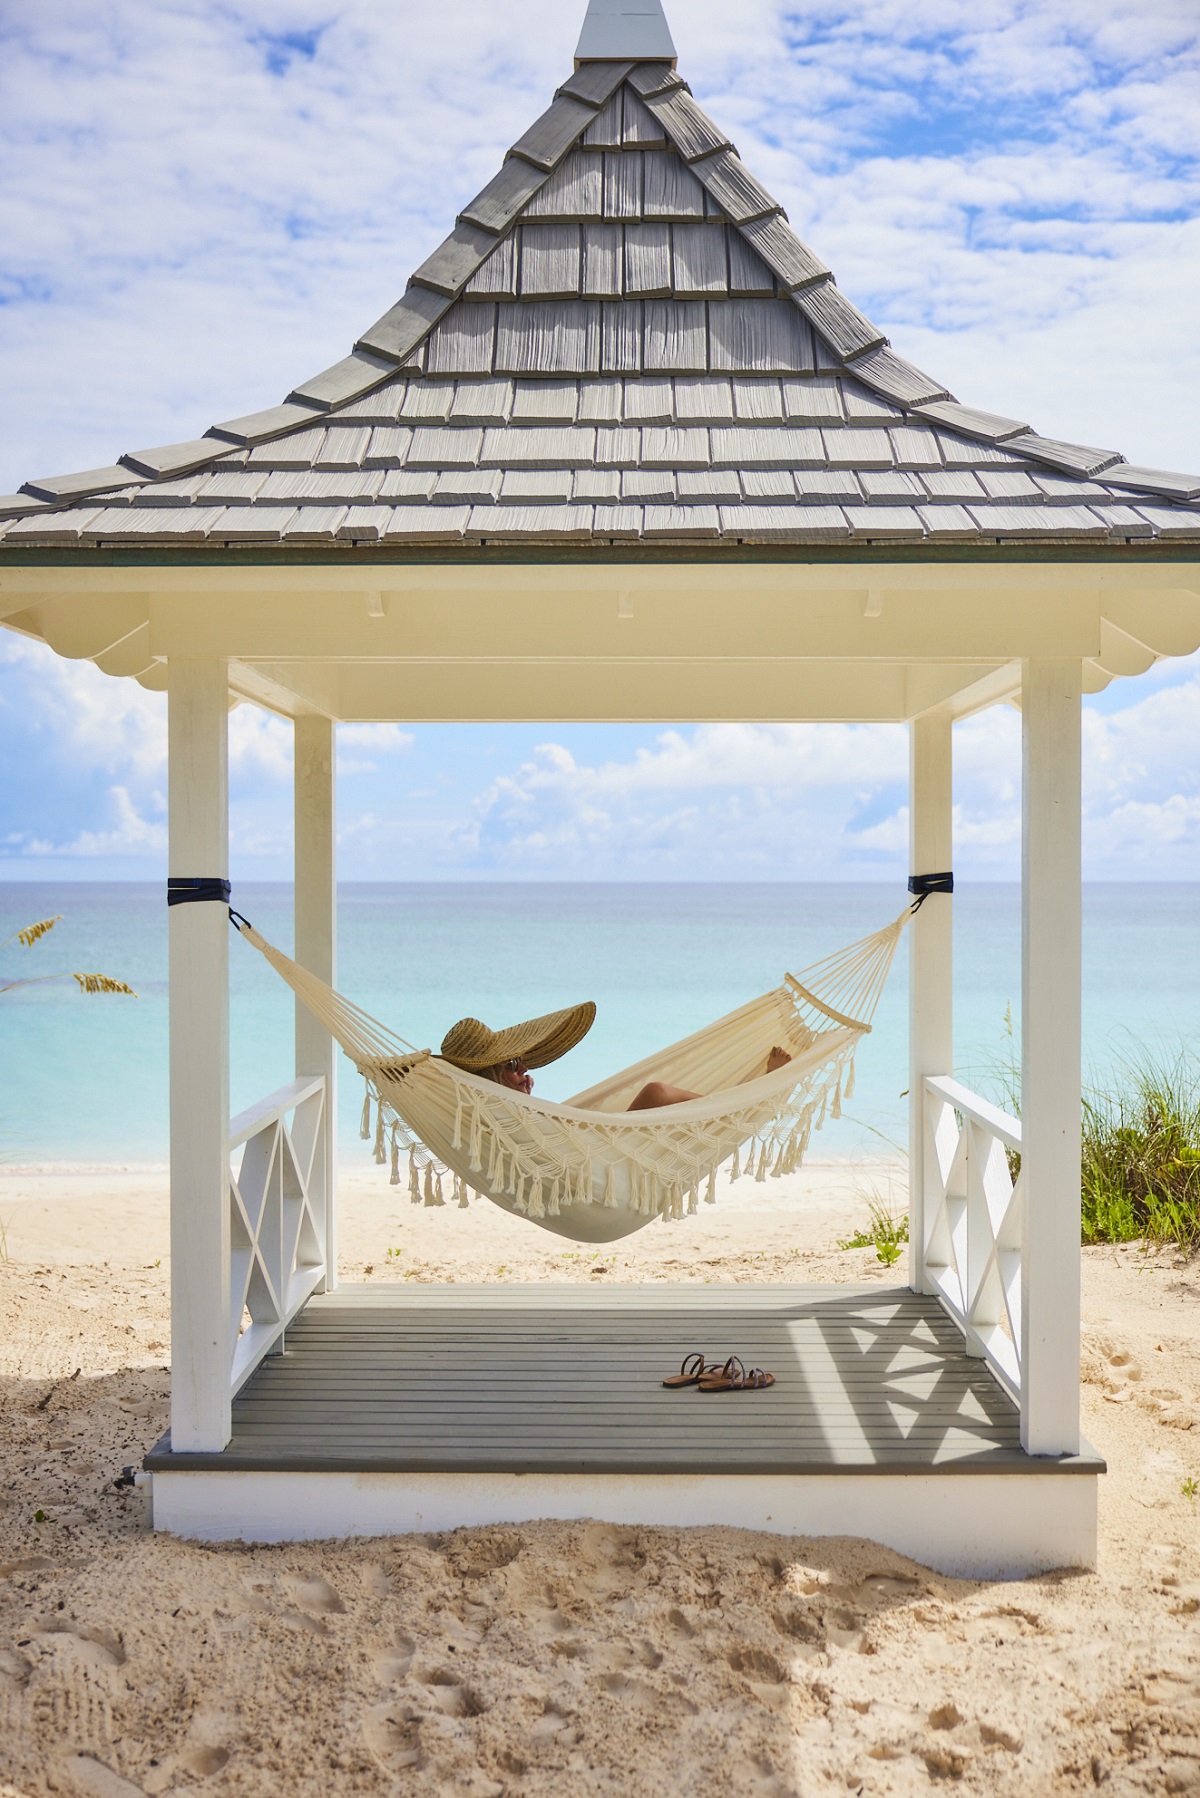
(471, 1045)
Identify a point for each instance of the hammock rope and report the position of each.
(590, 1169)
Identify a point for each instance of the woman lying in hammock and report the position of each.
(507, 1056)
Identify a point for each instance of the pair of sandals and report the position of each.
(711, 1376)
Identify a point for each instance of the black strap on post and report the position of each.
(199, 889)
(924, 884)
(203, 889)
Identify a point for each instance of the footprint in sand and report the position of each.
(14, 1666)
(634, 1693)
(315, 1595)
(93, 1646)
(487, 1552)
(890, 1585)
(764, 1675)
(85, 1777)
(550, 1723)
(393, 1663)
(452, 1695)
(800, 1625)
(204, 1760)
(392, 1733)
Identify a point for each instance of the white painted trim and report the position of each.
(315, 813)
(987, 1526)
(277, 1224)
(979, 1111)
(198, 779)
(1051, 982)
(930, 966)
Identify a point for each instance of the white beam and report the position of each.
(316, 940)
(930, 965)
(197, 721)
(1051, 923)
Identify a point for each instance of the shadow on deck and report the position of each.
(566, 1379)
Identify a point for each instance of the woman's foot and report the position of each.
(778, 1058)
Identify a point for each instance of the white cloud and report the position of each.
(131, 834)
(205, 202)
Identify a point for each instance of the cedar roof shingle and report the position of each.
(621, 338)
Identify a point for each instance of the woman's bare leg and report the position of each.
(656, 1093)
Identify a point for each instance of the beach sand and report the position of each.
(554, 1658)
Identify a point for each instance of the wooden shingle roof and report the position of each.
(621, 341)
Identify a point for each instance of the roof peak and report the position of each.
(625, 31)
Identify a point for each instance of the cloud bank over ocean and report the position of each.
(204, 203)
(583, 802)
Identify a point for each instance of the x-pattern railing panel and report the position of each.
(975, 1223)
(277, 1219)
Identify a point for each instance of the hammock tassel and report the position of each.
(463, 1196)
(380, 1151)
(414, 1178)
(364, 1125)
(850, 1081)
(610, 1187)
(762, 1165)
(429, 1198)
(552, 1209)
(476, 1161)
(439, 1198)
(735, 1167)
(395, 1180)
(456, 1139)
(710, 1195)
(535, 1208)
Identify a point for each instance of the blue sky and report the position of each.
(202, 203)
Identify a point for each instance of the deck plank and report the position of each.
(558, 1378)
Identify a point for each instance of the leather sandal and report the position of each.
(736, 1377)
(692, 1371)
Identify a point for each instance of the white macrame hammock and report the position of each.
(590, 1169)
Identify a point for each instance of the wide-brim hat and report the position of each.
(472, 1046)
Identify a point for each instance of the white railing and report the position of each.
(278, 1212)
(974, 1223)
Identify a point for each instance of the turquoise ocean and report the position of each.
(84, 1080)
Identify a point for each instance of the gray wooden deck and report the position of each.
(566, 1379)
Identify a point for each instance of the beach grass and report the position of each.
(1140, 1173)
(1140, 1160)
(886, 1232)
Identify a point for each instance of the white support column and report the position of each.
(930, 963)
(1051, 931)
(316, 939)
(197, 729)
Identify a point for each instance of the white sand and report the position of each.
(563, 1659)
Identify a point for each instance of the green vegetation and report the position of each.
(885, 1233)
(1189, 1489)
(1141, 1157)
(1140, 1165)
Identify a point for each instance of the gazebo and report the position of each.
(622, 450)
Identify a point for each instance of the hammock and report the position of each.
(590, 1169)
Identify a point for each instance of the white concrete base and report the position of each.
(987, 1526)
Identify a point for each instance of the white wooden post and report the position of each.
(1051, 928)
(930, 968)
(197, 732)
(316, 939)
